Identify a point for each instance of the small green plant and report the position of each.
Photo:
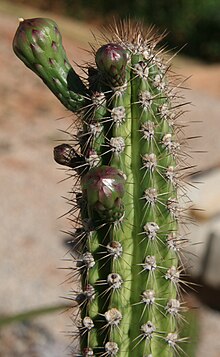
(130, 165)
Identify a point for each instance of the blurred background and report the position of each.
(32, 121)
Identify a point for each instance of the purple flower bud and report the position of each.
(64, 154)
(111, 60)
(104, 188)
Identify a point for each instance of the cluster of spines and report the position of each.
(129, 162)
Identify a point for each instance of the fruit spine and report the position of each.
(129, 161)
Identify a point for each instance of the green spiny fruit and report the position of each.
(129, 161)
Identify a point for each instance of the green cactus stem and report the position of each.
(128, 160)
(38, 44)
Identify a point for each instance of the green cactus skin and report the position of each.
(128, 163)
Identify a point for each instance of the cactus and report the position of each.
(129, 165)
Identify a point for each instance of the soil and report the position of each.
(32, 238)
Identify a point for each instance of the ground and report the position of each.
(32, 243)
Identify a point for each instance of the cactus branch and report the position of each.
(38, 44)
